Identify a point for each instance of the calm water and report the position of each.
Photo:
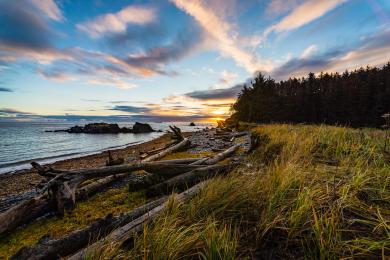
(23, 142)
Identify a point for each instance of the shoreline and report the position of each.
(20, 181)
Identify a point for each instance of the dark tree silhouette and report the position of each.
(358, 99)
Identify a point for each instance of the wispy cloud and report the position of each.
(281, 6)
(221, 34)
(9, 112)
(115, 82)
(369, 51)
(118, 22)
(131, 109)
(309, 51)
(5, 89)
(216, 94)
(305, 13)
(50, 9)
(55, 75)
(228, 77)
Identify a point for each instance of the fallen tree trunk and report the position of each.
(187, 179)
(126, 231)
(56, 248)
(219, 157)
(25, 212)
(184, 143)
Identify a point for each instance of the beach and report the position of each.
(23, 181)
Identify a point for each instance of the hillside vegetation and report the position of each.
(316, 192)
(358, 99)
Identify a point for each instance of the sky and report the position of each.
(172, 60)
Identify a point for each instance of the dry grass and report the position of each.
(316, 192)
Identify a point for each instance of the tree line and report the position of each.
(358, 99)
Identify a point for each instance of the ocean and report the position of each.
(24, 142)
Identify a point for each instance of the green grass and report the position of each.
(314, 192)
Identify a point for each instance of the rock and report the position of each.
(192, 124)
(97, 128)
(142, 128)
(102, 128)
(76, 129)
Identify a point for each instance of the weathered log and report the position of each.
(177, 133)
(218, 157)
(65, 195)
(187, 179)
(56, 248)
(111, 161)
(123, 233)
(97, 185)
(181, 161)
(25, 212)
(184, 143)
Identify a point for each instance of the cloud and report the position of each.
(227, 77)
(215, 94)
(49, 8)
(220, 33)
(305, 13)
(131, 109)
(5, 90)
(185, 43)
(369, 51)
(118, 22)
(55, 75)
(115, 82)
(281, 6)
(22, 27)
(309, 51)
(13, 113)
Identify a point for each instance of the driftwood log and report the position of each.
(176, 133)
(25, 212)
(126, 231)
(48, 248)
(111, 161)
(183, 144)
(219, 157)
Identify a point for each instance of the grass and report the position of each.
(314, 192)
(183, 155)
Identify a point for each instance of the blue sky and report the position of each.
(172, 60)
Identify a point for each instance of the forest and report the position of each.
(358, 99)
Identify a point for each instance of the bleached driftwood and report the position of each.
(218, 157)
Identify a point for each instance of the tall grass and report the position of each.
(317, 192)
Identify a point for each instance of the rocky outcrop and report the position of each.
(104, 128)
(142, 128)
(192, 124)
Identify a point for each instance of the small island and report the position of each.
(105, 128)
